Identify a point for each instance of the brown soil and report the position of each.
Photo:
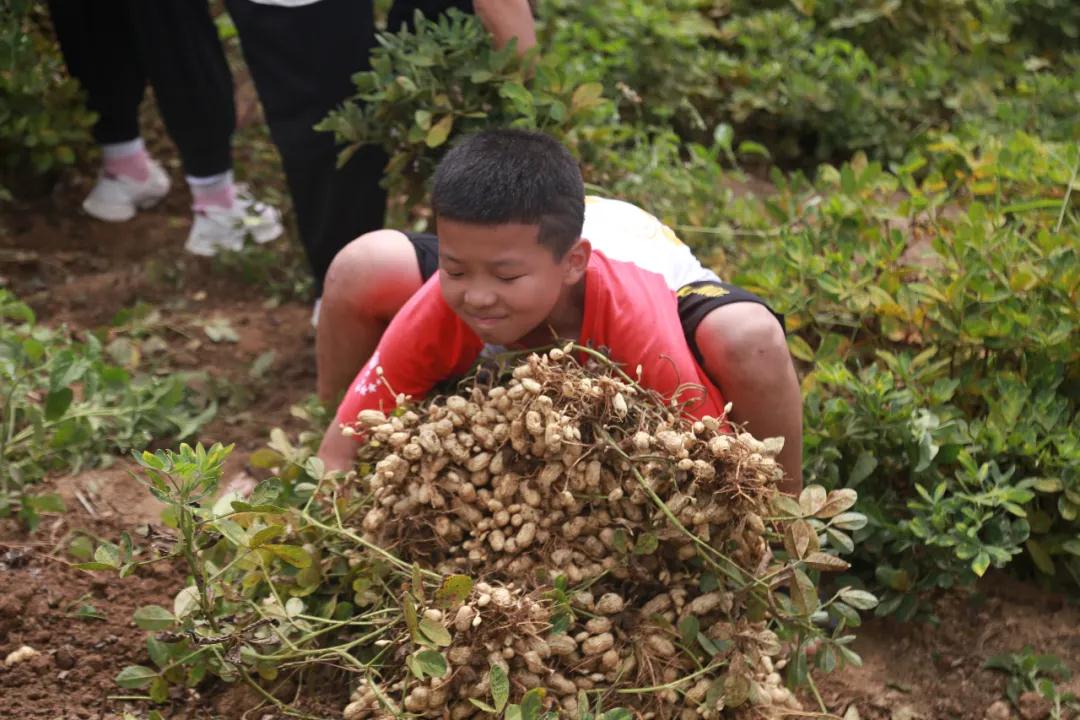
(919, 670)
(79, 272)
(72, 677)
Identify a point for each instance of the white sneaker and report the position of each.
(115, 199)
(216, 229)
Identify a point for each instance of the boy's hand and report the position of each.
(337, 450)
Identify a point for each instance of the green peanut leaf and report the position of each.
(153, 618)
(135, 676)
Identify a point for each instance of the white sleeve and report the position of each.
(626, 232)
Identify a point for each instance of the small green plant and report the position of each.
(1030, 672)
(265, 592)
(70, 403)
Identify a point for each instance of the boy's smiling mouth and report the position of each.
(486, 321)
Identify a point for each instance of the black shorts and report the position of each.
(695, 300)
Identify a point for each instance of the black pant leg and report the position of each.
(186, 66)
(302, 60)
(97, 40)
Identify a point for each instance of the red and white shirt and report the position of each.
(626, 232)
(629, 311)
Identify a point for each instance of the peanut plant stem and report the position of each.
(388, 556)
(1068, 193)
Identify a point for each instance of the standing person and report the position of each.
(112, 47)
(302, 55)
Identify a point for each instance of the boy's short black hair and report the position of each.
(513, 176)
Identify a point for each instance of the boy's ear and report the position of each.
(576, 260)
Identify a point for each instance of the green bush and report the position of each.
(43, 121)
(649, 55)
(445, 79)
(936, 308)
(876, 76)
(821, 80)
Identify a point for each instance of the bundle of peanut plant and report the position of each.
(602, 549)
(550, 541)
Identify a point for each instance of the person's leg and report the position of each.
(367, 283)
(302, 60)
(97, 41)
(193, 87)
(745, 353)
(186, 66)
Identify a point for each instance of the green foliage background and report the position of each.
(67, 403)
(43, 122)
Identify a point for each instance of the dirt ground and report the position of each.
(76, 271)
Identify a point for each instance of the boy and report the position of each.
(514, 268)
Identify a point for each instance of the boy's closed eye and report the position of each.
(502, 277)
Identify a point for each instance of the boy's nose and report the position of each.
(479, 298)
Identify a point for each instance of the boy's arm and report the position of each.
(424, 344)
(745, 351)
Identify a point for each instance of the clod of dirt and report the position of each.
(14, 558)
(906, 712)
(10, 606)
(65, 658)
(21, 655)
(235, 700)
(999, 710)
(1033, 706)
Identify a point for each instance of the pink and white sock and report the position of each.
(215, 191)
(127, 160)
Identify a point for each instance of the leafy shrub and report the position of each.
(69, 404)
(42, 118)
(804, 93)
(1028, 671)
(821, 80)
(648, 54)
(940, 329)
(445, 79)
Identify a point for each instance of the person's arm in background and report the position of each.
(506, 19)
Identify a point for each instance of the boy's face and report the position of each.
(501, 281)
